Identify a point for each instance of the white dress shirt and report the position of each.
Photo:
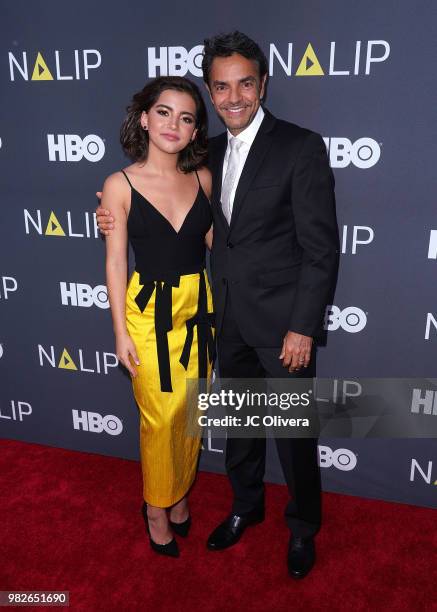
(247, 136)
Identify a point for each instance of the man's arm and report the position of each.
(313, 204)
(105, 218)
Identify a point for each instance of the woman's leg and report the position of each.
(159, 527)
(180, 511)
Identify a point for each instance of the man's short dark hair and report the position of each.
(225, 45)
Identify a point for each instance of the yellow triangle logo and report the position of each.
(66, 361)
(40, 70)
(309, 64)
(54, 227)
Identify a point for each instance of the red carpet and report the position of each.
(71, 521)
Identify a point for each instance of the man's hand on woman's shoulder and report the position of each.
(105, 220)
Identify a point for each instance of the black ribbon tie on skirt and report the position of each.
(163, 323)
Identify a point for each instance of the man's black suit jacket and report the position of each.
(279, 256)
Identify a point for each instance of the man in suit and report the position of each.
(274, 263)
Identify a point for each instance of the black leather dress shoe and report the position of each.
(230, 531)
(301, 556)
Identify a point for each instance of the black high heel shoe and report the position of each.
(170, 550)
(181, 529)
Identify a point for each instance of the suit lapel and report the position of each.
(257, 153)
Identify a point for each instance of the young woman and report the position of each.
(162, 317)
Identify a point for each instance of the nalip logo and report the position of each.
(95, 362)
(62, 66)
(36, 221)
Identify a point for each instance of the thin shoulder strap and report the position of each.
(198, 179)
(127, 179)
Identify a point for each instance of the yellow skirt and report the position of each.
(168, 455)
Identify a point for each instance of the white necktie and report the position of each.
(231, 173)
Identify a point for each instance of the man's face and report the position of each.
(236, 90)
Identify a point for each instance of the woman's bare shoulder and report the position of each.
(205, 178)
(116, 192)
(116, 182)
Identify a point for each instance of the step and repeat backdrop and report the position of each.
(360, 75)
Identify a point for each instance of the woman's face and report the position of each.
(171, 121)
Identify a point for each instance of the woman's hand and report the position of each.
(125, 348)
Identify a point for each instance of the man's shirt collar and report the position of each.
(248, 134)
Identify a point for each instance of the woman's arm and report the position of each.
(115, 194)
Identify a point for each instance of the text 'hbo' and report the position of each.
(80, 294)
(73, 148)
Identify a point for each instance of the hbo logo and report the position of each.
(78, 294)
(175, 61)
(94, 422)
(351, 319)
(363, 153)
(72, 148)
(342, 458)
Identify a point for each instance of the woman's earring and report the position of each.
(145, 128)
